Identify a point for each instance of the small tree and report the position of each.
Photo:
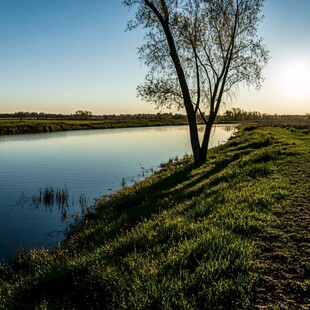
(198, 52)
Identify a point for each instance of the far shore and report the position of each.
(29, 126)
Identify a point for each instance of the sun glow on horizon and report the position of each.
(293, 81)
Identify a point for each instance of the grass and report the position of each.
(187, 237)
(289, 123)
(16, 126)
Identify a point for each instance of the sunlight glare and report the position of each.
(294, 81)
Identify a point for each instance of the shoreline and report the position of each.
(18, 127)
(32, 126)
(185, 236)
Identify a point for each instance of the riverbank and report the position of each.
(187, 237)
(16, 126)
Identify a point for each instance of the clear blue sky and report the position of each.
(63, 55)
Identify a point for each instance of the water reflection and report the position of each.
(144, 173)
(76, 167)
(54, 199)
(229, 128)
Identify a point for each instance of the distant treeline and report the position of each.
(88, 115)
(233, 115)
(236, 114)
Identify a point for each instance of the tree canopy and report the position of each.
(198, 52)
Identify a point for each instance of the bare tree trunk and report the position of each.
(206, 137)
(190, 112)
(205, 143)
(193, 132)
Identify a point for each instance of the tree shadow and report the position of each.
(127, 208)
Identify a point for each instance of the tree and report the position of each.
(198, 52)
(83, 114)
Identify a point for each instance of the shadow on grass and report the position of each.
(80, 285)
(128, 207)
(76, 283)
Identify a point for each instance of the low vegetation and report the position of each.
(188, 237)
(17, 126)
(33, 122)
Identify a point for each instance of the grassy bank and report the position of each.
(187, 237)
(16, 126)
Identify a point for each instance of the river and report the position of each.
(46, 179)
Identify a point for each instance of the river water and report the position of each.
(47, 178)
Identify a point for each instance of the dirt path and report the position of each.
(285, 255)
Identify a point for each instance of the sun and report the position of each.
(293, 81)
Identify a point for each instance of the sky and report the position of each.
(60, 56)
